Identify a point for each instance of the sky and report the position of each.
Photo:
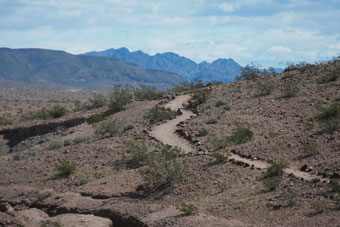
(267, 32)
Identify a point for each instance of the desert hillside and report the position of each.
(262, 151)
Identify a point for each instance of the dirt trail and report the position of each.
(165, 133)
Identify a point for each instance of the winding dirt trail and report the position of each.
(165, 133)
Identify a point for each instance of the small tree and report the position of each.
(119, 98)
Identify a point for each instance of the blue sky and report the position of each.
(268, 32)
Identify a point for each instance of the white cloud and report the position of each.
(227, 7)
(280, 49)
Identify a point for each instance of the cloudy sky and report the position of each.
(269, 32)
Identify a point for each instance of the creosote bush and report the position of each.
(329, 117)
(212, 121)
(220, 156)
(147, 93)
(202, 132)
(55, 145)
(221, 103)
(97, 101)
(57, 111)
(253, 72)
(159, 113)
(66, 168)
(95, 118)
(4, 121)
(119, 98)
(188, 87)
(276, 169)
(263, 88)
(109, 127)
(129, 126)
(241, 134)
(201, 96)
(308, 150)
(290, 91)
(187, 209)
(50, 223)
(140, 154)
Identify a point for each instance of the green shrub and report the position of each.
(330, 117)
(221, 103)
(318, 207)
(308, 150)
(68, 142)
(109, 127)
(241, 134)
(201, 96)
(55, 145)
(66, 168)
(212, 121)
(95, 118)
(301, 67)
(334, 186)
(147, 93)
(188, 86)
(159, 113)
(84, 181)
(276, 169)
(164, 169)
(97, 101)
(271, 183)
(50, 223)
(4, 121)
(202, 132)
(44, 194)
(217, 143)
(253, 72)
(290, 91)
(263, 88)
(119, 98)
(79, 140)
(139, 154)
(219, 156)
(129, 127)
(57, 111)
(188, 209)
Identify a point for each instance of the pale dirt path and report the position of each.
(165, 133)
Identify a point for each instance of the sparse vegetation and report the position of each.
(220, 156)
(188, 87)
(97, 101)
(221, 103)
(276, 169)
(95, 118)
(318, 207)
(66, 168)
(50, 223)
(57, 111)
(211, 121)
(253, 72)
(147, 93)
(217, 143)
(289, 91)
(68, 142)
(84, 181)
(301, 67)
(4, 121)
(55, 145)
(241, 134)
(139, 154)
(188, 209)
(109, 127)
(159, 113)
(329, 117)
(119, 98)
(129, 127)
(263, 88)
(308, 150)
(202, 132)
(44, 194)
(201, 96)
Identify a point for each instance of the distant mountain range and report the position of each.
(41, 66)
(224, 70)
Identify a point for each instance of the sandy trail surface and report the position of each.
(166, 133)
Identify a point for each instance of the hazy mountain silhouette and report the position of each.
(220, 70)
(58, 67)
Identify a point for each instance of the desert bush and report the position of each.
(139, 154)
(212, 121)
(329, 117)
(68, 142)
(301, 67)
(334, 186)
(219, 156)
(241, 134)
(55, 145)
(276, 169)
(202, 132)
(50, 223)
(271, 183)
(57, 111)
(330, 76)
(129, 127)
(201, 96)
(84, 181)
(290, 91)
(187, 209)
(109, 127)
(44, 194)
(66, 168)
(79, 140)
(159, 113)
(253, 72)
(263, 88)
(4, 121)
(163, 169)
(95, 118)
(318, 207)
(97, 101)
(119, 98)
(147, 93)
(188, 86)
(308, 150)
(217, 143)
(221, 103)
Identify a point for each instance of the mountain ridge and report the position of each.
(42, 66)
(224, 70)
